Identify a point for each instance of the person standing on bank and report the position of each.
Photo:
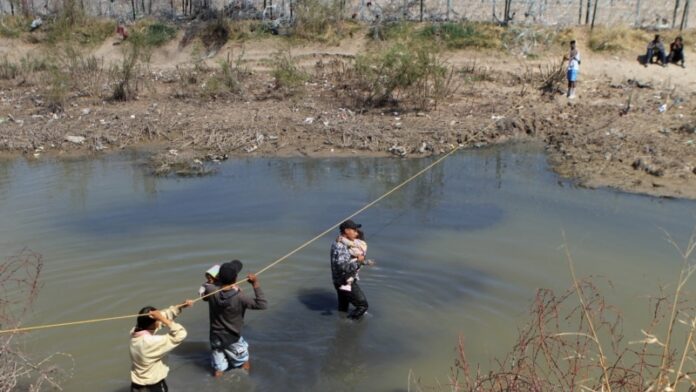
(344, 265)
(147, 349)
(573, 69)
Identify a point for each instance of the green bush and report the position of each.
(13, 26)
(289, 77)
(462, 35)
(319, 20)
(413, 74)
(158, 34)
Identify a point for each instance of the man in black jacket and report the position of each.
(344, 265)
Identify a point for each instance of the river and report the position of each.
(459, 252)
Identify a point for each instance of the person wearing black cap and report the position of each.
(344, 265)
(226, 311)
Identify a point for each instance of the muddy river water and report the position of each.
(460, 252)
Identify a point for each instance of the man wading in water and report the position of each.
(344, 265)
(226, 310)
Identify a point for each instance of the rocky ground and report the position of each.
(631, 128)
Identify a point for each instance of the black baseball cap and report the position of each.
(349, 224)
(229, 271)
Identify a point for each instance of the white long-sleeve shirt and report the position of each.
(147, 350)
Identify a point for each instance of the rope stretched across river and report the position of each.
(274, 263)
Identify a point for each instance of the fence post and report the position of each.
(685, 16)
(594, 14)
(674, 15)
(637, 13)
(421, 10)
(580, 14)
(587, 12)
(449, 4)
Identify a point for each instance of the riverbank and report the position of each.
(631, 127)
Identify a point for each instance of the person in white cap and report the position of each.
(210, 278)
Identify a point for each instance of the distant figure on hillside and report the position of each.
(226, 311)
(573, 69)
(656, 49)
(676, 51)
(148, 372)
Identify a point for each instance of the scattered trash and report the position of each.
(309, 120)
(663, 108)
(86, 111)
(689, 142)
(495, 117)
(173, 152)
(3, 119)
(250, 149)
(420, 114)
(75, 139)
(424, 147)
(132, 116)
(639, 84)
(397, 150)
(35, 24)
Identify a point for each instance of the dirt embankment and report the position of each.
(631, 127)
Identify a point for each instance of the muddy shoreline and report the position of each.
(623, 133)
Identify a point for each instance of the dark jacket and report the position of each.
(343, 265)
(226, 311)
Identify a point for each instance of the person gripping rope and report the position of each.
(226, 311)
(147, 349)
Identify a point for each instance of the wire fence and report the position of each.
(642, 13)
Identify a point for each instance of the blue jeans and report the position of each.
(660, 55)
(231, 357)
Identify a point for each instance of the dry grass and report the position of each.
(19, 285)
(575, 342)
(616, 39)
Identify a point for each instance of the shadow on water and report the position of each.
(318, 300)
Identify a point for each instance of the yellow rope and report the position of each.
(299, 248)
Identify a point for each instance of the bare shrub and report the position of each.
(318, 20)
(8, 69)
(58, 86)
(125, 75)
(86, 72)
(575, 342)
(19, 287)
(288, 76)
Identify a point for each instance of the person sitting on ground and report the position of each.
(210, 278)
(356, 248)
(148, 371)
(226, 312)
(656, 48)
(676, 51)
